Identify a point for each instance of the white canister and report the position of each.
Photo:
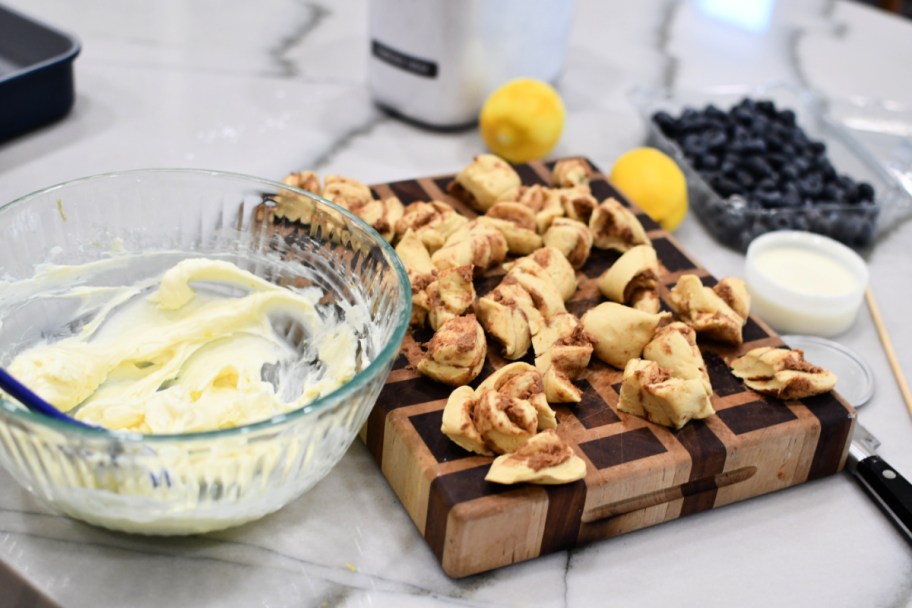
(435, 61)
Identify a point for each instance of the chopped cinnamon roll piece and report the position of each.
(551, 262)
(520, 241)
(562, 354)
(421, 272)
(733, 292)
(652, 392)
(571, 238)
(539, 285)
(542, 459)
(571, 172)
(516, 213)
(577, 203)
(432, 221)
(501, 414)
(381, 215)
(522, 381)
(488, 179)
(674, 347)
(304, 180)
(346, 192)
(474, 243)
(533, 290)
(782, 373)
(421, 303)
(614, 226)
(704, 310)
(456, 352)
(544, 202)
(508, 314)
(458, 421)
(504, 422)
(517, 223)
(450, 295)
(292, 206)
(619, 332)
(414, 255)
(633, 279)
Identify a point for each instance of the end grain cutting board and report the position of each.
(638, 474)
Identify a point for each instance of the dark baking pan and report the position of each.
(36, 73)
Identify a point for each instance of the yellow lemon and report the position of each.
(522, 120)
(654, 182)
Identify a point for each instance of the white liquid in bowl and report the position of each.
(806, 271)
(804, 283)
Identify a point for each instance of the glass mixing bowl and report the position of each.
(147, 220)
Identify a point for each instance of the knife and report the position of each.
(889, 489)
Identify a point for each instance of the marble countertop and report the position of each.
(279, 85)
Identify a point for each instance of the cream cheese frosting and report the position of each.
(212, 347)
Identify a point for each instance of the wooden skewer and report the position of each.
(888, 349)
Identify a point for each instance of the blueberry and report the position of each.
(810, 186)
(758, 167)
(744, 238)
(726, 187)
(754, 145)
(695, 125)
(743, 116)
(834, 192)
(790, 172)
(738, 133)
(666, 123)
(767, 107)
(715, 139)
(710, 161)
(817, 148)
(852, 229)
(787, 117)
(776, 161)
(767, 184)
(825, 167)
(745, 179)
(692, 144)
(865, 191)
(782, 222)
(689, 114)
(791, 198)
(768, 200)
(712, 111)
(800, 222)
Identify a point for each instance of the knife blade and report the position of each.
(890, 490)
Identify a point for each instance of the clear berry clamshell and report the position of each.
(847, 175)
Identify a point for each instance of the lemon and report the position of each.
(522, 120)
(653, 181)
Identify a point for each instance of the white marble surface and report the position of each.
(278, 85)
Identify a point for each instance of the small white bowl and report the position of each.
(804, 283)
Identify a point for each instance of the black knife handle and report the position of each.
(890, 490)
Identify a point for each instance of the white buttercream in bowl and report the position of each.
(212, 347)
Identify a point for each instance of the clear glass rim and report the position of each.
(389, 351)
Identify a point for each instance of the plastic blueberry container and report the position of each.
(731, 221)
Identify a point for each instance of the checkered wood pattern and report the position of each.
(638, 474)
